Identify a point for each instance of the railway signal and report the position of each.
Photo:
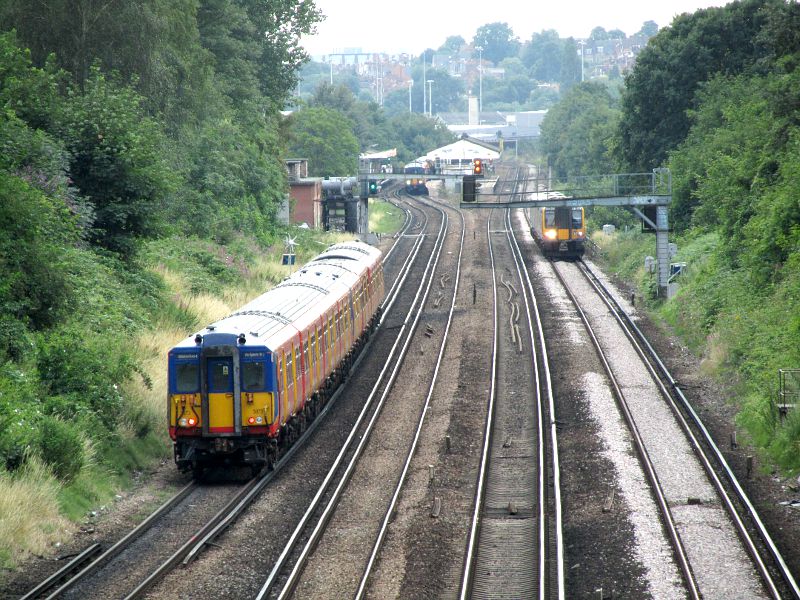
(477, 167)
(373, 187)
(468, 189)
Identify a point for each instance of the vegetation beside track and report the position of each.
(741, 332)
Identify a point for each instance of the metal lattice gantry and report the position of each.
(648, 195)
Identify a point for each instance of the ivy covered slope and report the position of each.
(716, 98)
(138, 190)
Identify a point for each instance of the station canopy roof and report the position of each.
(462, 149)
(379, 155)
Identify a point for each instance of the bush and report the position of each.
(61, 448)
(15, 339)
(19, 414)
(85, 373)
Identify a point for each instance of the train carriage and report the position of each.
(243, 389)
(559, 231)
(416, 183)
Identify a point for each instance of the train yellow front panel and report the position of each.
(220, 412)
(220, 394)
(256, 409)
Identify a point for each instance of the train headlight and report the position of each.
(580, 234)
(550, 234)
(408, 182)
(182, 422)
(251, 420)
(192, 421)
(259, 420)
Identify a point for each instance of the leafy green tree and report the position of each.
(35, 286)
(599, 34)
(570, 73)
(497, 40)
(116, 161)
(326, 139)
(453, 44)
(649, 29)
(577, 133)
(543, 55)
(278, 26)
(662, 85)
(416, 135)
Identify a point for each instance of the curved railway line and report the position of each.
(438, 471)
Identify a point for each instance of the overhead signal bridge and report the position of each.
(646, 194)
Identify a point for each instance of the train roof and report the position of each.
(276, 315)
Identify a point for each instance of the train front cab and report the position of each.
(563, 231)
(221, 402)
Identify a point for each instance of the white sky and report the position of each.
(414, 26)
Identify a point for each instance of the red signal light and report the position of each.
(477, 166)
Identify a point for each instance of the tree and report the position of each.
(543, 55)
(649, 29)
(570, 73)
(453, 44)
(116, 161)
(279, 25)
(577, 133)
(326, 138)
(599, 34)
(662, 85)
(497, 40)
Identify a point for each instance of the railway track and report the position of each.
(376, 428)
(706, 526)
(442, 510)
(515, 544)
(115, 573)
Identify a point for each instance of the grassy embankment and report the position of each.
(742, 333)
(188, 283)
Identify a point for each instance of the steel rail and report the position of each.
(641, 449)
(408, 324)
(178, 555)
(530, 299)
(63, 572)
(362, 587)
(403, 229)
(125, 541)
(469, 557)
(220, 527)
(636, 336)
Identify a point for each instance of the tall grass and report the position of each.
(30, 521)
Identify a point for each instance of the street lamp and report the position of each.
(410, 85)
(430, 97)
(480, 81)
(424, 98)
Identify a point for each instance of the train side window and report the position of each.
(577, 218)
(252, 376)
(313, 348)
(297, 365)
(305, 357)
(187, 378)
(289, 370)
